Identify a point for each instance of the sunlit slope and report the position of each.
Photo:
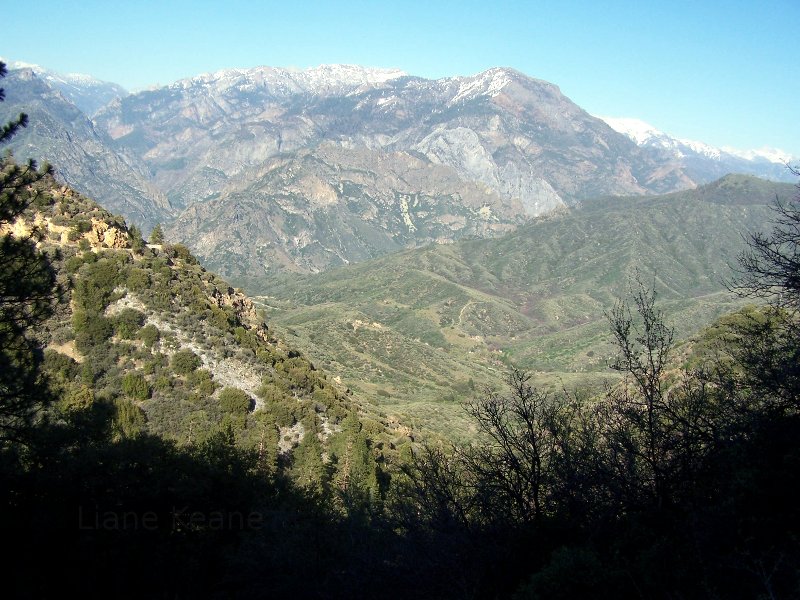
(432, 324)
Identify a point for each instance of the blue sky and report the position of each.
(720, 72)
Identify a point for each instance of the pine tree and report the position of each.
(8, 130)
(27, 291)
(356, 470)
(308, 469)
(157, 235)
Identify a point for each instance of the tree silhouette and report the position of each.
(770, 267)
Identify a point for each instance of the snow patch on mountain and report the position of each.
(331, 79)
(489, 83)
(773, 155)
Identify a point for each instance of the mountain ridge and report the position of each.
(193, 154)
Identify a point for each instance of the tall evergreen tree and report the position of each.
(27, 291)
(157, 235)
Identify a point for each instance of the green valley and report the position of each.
(420, 331)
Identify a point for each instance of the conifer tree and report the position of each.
(157, 235)
(27, 292)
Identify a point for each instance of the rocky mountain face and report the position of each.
(265, 169)
(304, 170)
(333, 206)
(60, 133)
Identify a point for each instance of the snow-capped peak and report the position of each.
(67, 78)
(773, 155)
(636, 129)
(645, 134)
(488, 83)
(18, 64)
(324, 77)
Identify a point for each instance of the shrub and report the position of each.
(185, 361)
(235, 401)
(82, 226)
(138, 279)
(202, 381)
(129, 419)
(163, 383)
(128, 322)
(90, 330)
(149, 334)
(135, 386)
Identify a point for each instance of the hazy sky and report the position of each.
(721, 72)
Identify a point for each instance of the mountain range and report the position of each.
(458, 374)
(267, 170)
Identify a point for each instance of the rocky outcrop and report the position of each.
(242, 306)
(106, 236)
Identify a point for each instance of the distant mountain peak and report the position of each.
(85, 91)
(645, 134)
(705, 162)
(334, 77)
(54, 76)
(774, 155)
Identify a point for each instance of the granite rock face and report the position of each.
(273, 169)
(265, 169)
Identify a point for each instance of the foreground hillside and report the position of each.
(171, 349)
(420, 330)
